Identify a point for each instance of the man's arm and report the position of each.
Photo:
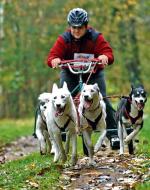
(104, 50)
(56, 53)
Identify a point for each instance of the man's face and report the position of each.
(78, 32)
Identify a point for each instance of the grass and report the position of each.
(30, 172)
(13, 129)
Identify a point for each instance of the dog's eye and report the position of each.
(42, 103)
(143, 94)
(83, 90)
(92, 90)
(62, 96)
(55, 97)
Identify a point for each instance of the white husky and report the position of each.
(40, 128)
(92, 111)
(61, 116)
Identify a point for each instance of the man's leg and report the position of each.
(71, 80)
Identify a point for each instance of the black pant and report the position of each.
(72, 81)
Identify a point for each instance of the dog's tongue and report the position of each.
(140, 105)
(59, 111)
(87, 104)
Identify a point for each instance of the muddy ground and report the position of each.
(111, 171)
(17, 149)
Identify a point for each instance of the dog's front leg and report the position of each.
(42, 142)
(55, 148)
(48, 142)
(88, 143)
(120, 135)
(67, 144)
(74, 147)
(58, 139)
(102, 127)
(132, 134)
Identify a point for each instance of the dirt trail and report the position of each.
(110, 172)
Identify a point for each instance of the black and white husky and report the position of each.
(61, 116)
(92, 112)
(129, 117)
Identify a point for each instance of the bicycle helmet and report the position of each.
(77, 17)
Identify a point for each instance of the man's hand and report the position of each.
(103, 59)
(55, 62)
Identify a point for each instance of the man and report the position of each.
(81, 39)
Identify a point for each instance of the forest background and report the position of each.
(28, 29)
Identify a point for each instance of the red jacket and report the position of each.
(91, 43)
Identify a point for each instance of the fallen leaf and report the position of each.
(33, 184)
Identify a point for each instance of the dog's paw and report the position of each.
(121, 153)
(53, 149)
(64, 158)
(92, 162)
(95, 150)
(56, 157)
(126, 140)
(42, 153)
(73, 160)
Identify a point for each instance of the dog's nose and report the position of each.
(141, 101)
(86, 97)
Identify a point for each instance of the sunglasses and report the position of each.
(77, 27)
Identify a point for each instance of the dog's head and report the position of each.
(138, 97)
(44, 98)
(60, 98)
(88, 94)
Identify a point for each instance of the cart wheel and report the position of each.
(114, 142)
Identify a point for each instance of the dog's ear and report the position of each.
(141, 86)
(65, 86)
(96, 87)
(132, 87)
(44, 97)
(55, 87)
(84, 84)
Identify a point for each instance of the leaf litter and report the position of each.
(111, 171)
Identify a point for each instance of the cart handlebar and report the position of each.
(80, 66)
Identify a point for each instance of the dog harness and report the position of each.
(133, 120)
(65, 125)
(93, 124)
